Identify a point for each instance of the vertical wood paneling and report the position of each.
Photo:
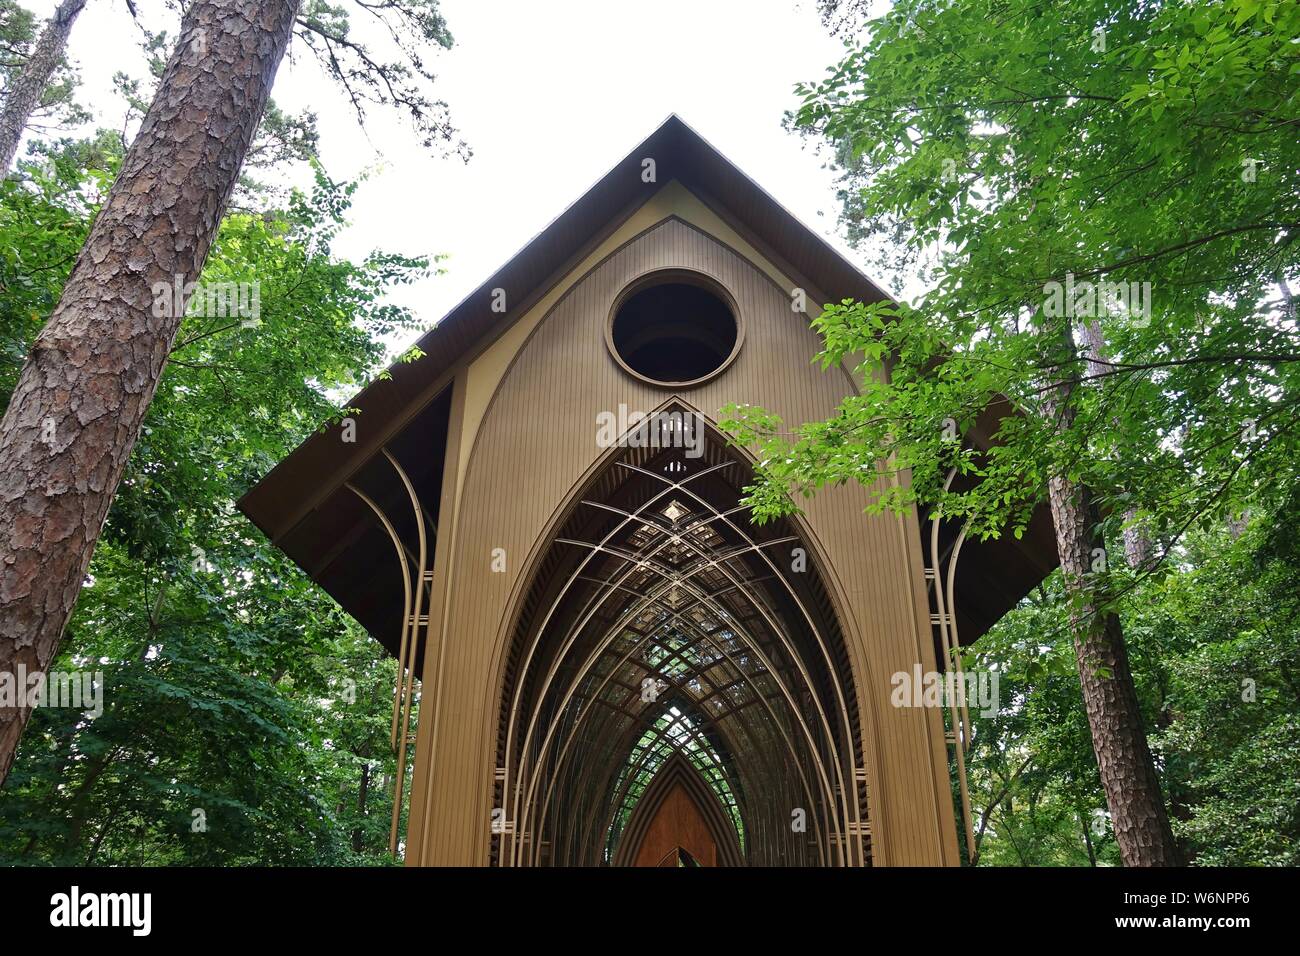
(535, 443)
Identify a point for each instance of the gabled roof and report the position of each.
(679, 153)
(289, 504)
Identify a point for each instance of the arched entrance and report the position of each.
(677, 680)
(673, 818)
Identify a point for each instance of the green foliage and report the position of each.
(1216, 654)
(240, 703)
(357, 65)
(58, 107)
(42, 227)
(1228, 633)
(1013, 159)
(376, 58)
(1018, 155)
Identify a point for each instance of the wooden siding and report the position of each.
(536, 442)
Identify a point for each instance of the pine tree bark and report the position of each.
(80, 401)
(25, 94)
(1128, 774)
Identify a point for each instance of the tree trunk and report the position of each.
(1087, 839)
(358, 833)
(79, 404)
(1128, 774)
(25, 94)
(81, 801)
(1137, 543)
(99, 838)
(988, 810)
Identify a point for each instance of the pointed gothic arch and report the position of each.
(677, 797)
(527, 668)
(653, 581)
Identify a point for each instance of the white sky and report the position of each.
(549, 96)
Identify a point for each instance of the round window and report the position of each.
(674, 332)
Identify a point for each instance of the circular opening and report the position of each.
(674, 332)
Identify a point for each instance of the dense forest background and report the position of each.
(246, 718)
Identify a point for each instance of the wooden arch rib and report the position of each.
(703, 719)
(416, 584)
(828, 788)
(678, 772)
(774, 671)
(569, 654)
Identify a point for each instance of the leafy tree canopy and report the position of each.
(1021, 156)
(245, 715)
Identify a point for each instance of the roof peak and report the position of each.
(316, 468)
